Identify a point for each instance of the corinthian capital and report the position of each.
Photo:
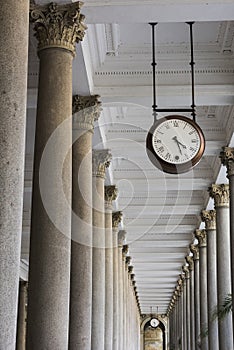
(220, 193)
(189, 260)
(194, 249)
(121, 237)
(209, 217)
(58, 26)
(116, 219)
(185, 269)
(101, 161)
(227, 159)
(86, 110)
(111, 193)
(201, 236)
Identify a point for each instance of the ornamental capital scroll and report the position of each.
(227, 159)
(116, 219)
(86, 110)
(58, 26)
(111, 193)
(189, 260)
(209, 217)
(186, 271)
(201, 237)
(101, 160)
(195, 250)
(220, 193)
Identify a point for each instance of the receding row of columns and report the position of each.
(207, 277)
(81, 293)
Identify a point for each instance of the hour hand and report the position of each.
(178, 143)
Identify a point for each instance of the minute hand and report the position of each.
(175, 138)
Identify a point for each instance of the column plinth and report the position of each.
(57, 29)
(110, 195)
(101, 160)
(14, 21)
(86, 110)
(220, 193)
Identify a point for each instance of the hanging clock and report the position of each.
(154, 322)
(175, 144)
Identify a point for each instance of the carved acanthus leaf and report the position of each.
(189, 260)
(201, 237)
(125, 250)
(227, 159)
(86, 110)
(58, 26)
(195, 250)
(111, 193)
(101, 161)
(220, 193)
(128, 260)
(116, 219)
(209, 217)
(186, 271)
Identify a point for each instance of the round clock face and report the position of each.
(154, 322)
(175, 144)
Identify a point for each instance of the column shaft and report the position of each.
(50, 246)
(220, 193)
(14, 21)
(85, 111)
(98, 285)
(115, 290)
(185, 316)
(121, 237)
(110, 195)
(209, 217)
(203, 297)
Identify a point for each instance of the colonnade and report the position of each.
(208, 275)
(81, 292)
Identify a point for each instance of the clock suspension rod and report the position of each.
(154, 64)
(192, 63)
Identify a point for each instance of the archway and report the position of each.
(153, 338)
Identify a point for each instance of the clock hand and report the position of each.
(178, 143)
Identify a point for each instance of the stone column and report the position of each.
(116, 219)
(57, 28)
(14, 23)
(121, 238)
(190, 262)
(227, 159)
(188, 315)
(110, 195)
(101, 160)
(195, 250)
(180, 318)
(86, 110)
(209, 217)
(124, 254)
(128, 313)
(22, 316)
(184, 313)
(201, 236)
(220, 193)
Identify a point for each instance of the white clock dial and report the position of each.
(154, 322)
(176, 141)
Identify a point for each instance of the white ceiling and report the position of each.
(160, 211)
